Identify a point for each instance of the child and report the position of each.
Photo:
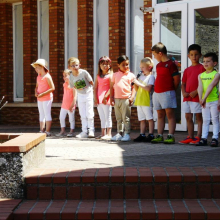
(102, 95)
(164, 98)
(189, 87)
(44, 93)
(68, 105)
(144, 87)
(121, 98)
(209, 96)
(81, 80)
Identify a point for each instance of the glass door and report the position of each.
(203, 27)
(170, 28)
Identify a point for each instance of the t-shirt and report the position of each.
(122, 84)
(190, 78)
(67, 96)
(164, 80)
(207, 78)
(81, 82)
(143, 97)
(103, 88)
(43, 86)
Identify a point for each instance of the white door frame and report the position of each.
(166, 8)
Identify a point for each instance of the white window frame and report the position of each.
(39, 29)
(14, 58)
(95, 49)
(66, 46)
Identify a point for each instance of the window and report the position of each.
(101, 31)
(18, 51)
(43, 29)
(71, 29)
(134, 33)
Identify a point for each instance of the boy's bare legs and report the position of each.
(151, 126)
(170, 112)
(109, 132)
(142, 126)
(103, 132)
(161, 120)
(199, 122)
(190, 124)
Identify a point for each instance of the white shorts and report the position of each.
(144, 113)
(191, 107)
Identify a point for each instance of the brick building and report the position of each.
(57, 29)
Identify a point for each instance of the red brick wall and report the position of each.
(56, 46)
(30, 48)
(6, 52)
(116, 30)
(85, 34)
(147, 30)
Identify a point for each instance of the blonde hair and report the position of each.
(102, 60)
(148, 61)
(67, 71)
(73, 60)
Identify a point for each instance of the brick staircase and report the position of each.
(121, 193)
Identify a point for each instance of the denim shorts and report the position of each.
(164, 100)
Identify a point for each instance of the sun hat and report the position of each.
(41, 62)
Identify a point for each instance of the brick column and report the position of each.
(56, 45)
(85, 34)
(29, 48)
(147, 30)
(116, 30)
(6, 52)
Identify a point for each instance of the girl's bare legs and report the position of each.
(109, 132)
(42, 126)
(48, 125)
(103, 132)
(71, 130)
(62, 130)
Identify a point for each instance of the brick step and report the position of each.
(118, 209)
(6, 208)
(124, 183)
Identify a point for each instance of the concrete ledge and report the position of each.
(18, 156)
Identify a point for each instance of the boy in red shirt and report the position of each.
(164, 98)
(189, 87)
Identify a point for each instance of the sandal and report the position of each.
(214, 142)
(48, 134)
(98, 137)
(70, 135)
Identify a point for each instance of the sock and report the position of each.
(142, 135)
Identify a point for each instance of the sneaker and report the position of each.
(195, 141)
(126, 137)
(149, 138)
(214, 142)
(187, 140)
(202, 142)
(70, 134)
(91, 134)
(170, 139)
(106, 137)
(140, 138)
(82, 135)
(117, 137)
(60, 135)
(158, 139)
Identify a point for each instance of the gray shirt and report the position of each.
(81, 82)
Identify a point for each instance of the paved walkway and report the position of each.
(90, 153)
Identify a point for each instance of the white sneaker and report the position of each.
(91, 134)
(126, 137)
(106, 137)
(117, 137)
(82, 135)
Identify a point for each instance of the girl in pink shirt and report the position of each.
(68, 105)
(102, 96)
(44, 93)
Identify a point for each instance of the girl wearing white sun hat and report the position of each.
(44, 93)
